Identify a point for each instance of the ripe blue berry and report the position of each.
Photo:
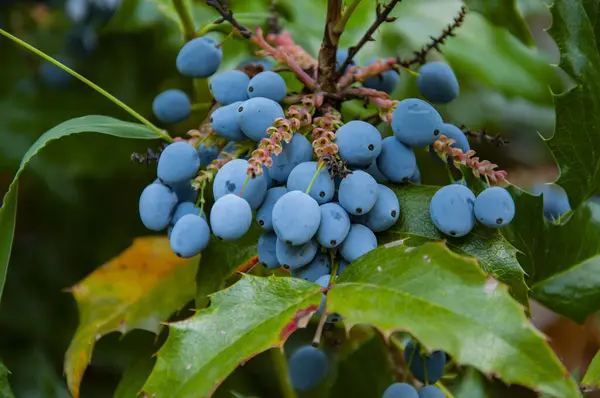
(386, 211)
(434, 363)
(360, 241)
(224, 122)
(156, 206)
(318, 267)
(451, 210)
(295, 256)
(267, 85)
(229, 87)
(190, 236)
(296, 217)
(416, 123)
(298, 150)
(400, 390)
(207, 154)
(456, 134)
(230, 217)
(256, 115)
(494, 207)
(178, 162)
(199, 58)
(340, 58)
(431, 392)
(396, 161)
(334, 227)
(171, 106)
(386, 81)
(183, 209)
(266, 248)
(556, 201)
(264, 215)
(374, 171)
(307, 367)
(231, 178)
(358, 192)
(184, 190)
(359, 143)
(416, 177)
(301, 176)
(437, 82)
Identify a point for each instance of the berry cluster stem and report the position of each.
(314, 178)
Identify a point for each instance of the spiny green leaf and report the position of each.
(5, 390)
(592, 376)
(445, 301)
(563, 266)
(495, 255)
(95, 124)
(249, 317)
(576, 142)
(138, 289)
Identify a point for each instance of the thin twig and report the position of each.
(227, 15)
(483, 136)
(382, 16)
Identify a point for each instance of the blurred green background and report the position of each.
(78, 199)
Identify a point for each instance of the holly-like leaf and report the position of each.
(563, 268)
(494, 253)
(591, 380)
(576, 141)
(138, 289)
(5, 390)
(86, 124)
(249, 317)
(447, 303)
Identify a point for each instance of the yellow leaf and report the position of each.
(138, 289)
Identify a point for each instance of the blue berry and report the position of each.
(207, 154)
(183, 209)
(231, 178)
(264, 62)
(224, 122)
(264, 215)
(295, 256)
(301, 176)
(199, 57)
(298, 150)
(307, 367)
(360, 241)
(451, 210)
(334, 227)
(340, 58)
(374, 171)
(358, 192)
(416, 123)
(190, 236)
(494, 207)
(431, 392)
(359, 143)
(156, 206)
(296, 217)
(434, 363)
(267, 85)
(396, 161)
(178, 162)
(55, 77)
(386, 211)
(256, 115)
(400, 390)
(416, 177)
(184, 190)
(386, 81)
(437, 82)
(456, 134)
(318, 267)
(171, 106)
(556, 201)
(230, 217)
(266, 248)
(229, 87)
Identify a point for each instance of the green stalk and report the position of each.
(186, 19)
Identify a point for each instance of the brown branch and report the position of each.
(382, 16)
(326, 75)
(483, 136)
(227, 15)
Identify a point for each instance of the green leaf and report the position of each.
(470, 385)
(445, 301)
(563, 267)
(591, 379)
(495, 255)
(138, 289)
(221, 259)
(95, 124)
(5, 390)
(251, 316)
(134, 377)
(576, 141)
(504, 13)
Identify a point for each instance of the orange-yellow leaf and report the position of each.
(138, 289)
